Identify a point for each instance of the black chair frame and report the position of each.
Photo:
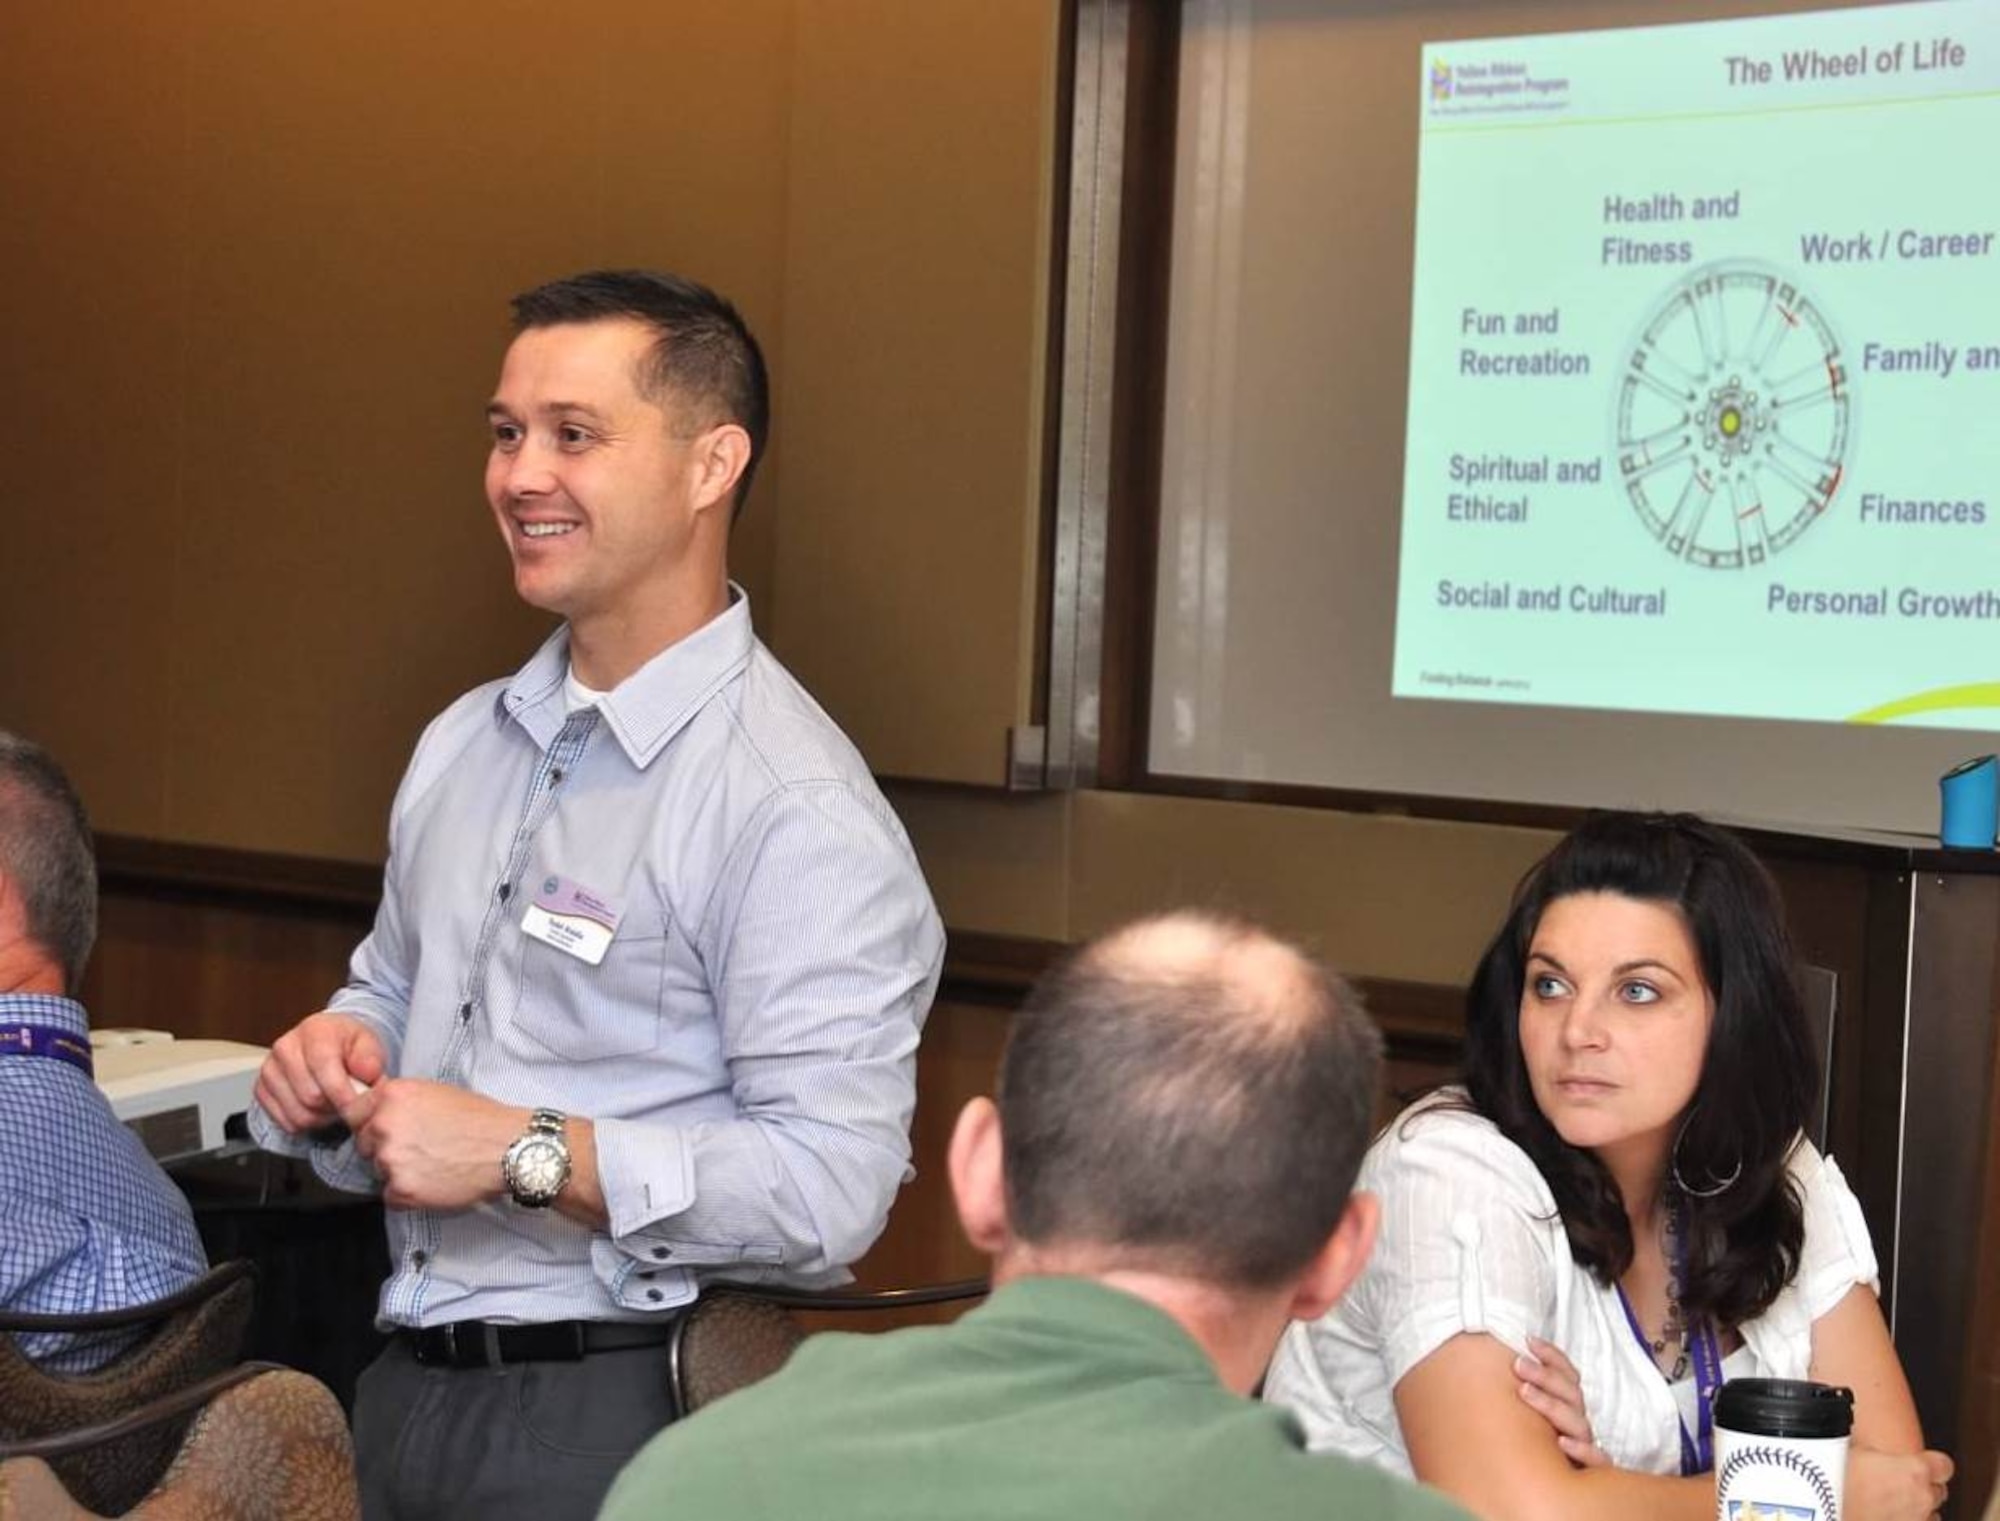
(211, 1283)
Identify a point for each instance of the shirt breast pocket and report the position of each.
(586, 1013)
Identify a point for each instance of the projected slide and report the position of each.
(1705, 370)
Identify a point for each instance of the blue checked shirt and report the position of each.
(747, 1046)
(90, 1221)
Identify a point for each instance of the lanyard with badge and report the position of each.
(49, 1041)
(1704, 1350)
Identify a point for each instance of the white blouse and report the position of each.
(1470, 1241)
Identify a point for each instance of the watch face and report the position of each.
(541, 1166)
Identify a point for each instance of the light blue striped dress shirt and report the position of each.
(88, 1221)
(746, 1049)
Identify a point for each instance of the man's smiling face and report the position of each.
(590, 481)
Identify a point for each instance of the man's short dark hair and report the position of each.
(45, 851)
(1190, 1095)
(703, 356)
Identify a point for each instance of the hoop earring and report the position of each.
(1714, 1190)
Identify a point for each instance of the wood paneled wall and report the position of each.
(217, 971)
(253, 293)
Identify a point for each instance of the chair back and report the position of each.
(188, 1337)
(735, 1335)
(1819, 988)
(263, 1443)
(724, 1342)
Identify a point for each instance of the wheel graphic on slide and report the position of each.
(1734, 417)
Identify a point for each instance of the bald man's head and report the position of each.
(1188, 1094)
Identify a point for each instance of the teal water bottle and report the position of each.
(1971, 804)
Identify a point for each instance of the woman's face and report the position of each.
(1614, 1023)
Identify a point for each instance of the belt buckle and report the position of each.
(451, 1345)
(481, 1346)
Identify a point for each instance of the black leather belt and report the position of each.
(483, 1344)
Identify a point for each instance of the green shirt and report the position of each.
(1057, 1397)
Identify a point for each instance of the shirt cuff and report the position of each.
(647, 1173)
(271, 1136)
(338, 1165)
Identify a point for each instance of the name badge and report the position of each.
(573, 919)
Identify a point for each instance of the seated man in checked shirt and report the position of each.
(91, 1221)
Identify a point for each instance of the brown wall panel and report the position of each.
(254, 282)
(379, 188)
(997, 864)
(1412, 899)
(346, 304)
(253, 295)
(1381, 896)
(93, 103)
(916, 302)
(215, 970)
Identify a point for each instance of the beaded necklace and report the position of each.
(1700, 1350)
(1675, 1327)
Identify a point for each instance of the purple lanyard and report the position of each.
(1705, 1354)
(47, 1040)
(1705, 1351)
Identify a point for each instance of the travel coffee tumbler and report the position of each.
(1780, 1449)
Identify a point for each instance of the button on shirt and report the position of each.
(746, 1046)
(91, 1221)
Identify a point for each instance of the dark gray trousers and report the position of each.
(534, 1440)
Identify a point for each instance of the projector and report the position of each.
(178, 1096)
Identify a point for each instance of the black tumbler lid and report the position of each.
(1785, 1407)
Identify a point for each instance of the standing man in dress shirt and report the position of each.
(91, 1221)
(640, 1007)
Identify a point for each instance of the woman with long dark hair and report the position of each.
(1617, 1211)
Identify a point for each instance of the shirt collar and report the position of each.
(1035, 1300)
(648, 707)
(64, 1014)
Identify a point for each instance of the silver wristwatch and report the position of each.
(536, 1167)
